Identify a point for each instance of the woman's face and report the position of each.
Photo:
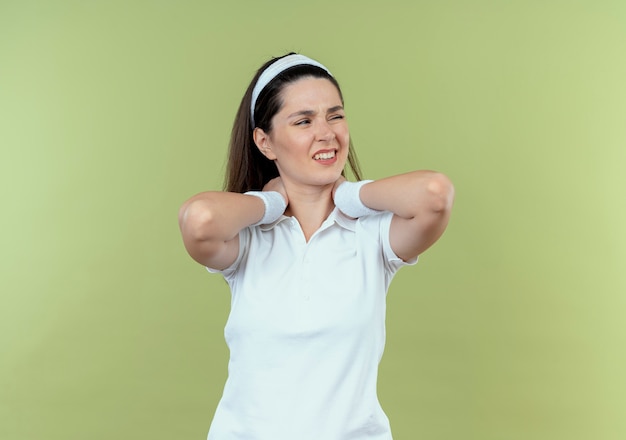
(309, 138)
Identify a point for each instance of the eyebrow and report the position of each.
(311, 112)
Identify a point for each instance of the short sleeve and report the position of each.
(391, 258)
(244, 245)
(379, 225)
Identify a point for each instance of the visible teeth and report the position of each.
(322, 156)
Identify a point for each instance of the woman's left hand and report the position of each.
(337, 183)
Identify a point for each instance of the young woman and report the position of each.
(309, 257)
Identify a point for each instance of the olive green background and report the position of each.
(114, 112)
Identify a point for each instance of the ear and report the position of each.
(262, 141)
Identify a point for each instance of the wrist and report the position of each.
(274, 203)
(348, 199)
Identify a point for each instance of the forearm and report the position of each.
(410, 195)
(219, 216)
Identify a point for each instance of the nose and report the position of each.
(325, 132)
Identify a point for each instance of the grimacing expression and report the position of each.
(309, 139)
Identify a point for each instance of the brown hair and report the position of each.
(247, 169)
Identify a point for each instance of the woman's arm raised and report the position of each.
(421, 202)
(210, 223)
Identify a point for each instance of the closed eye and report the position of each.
(337, 117)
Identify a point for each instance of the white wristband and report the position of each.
(349, 202)
(275, 205)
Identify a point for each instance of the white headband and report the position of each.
(274, 70)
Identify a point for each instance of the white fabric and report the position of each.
(306, 331)
(275, 205)
(348, 199)
(274, 69)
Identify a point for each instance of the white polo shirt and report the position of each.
(306, 331)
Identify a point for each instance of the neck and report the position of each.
(310, 206)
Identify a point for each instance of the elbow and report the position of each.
(440, 193)
(196, 219)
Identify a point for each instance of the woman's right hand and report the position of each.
(276, 184)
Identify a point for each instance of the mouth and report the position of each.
(325, 155)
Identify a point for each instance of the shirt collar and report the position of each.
(343, 220)
(336, 216)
